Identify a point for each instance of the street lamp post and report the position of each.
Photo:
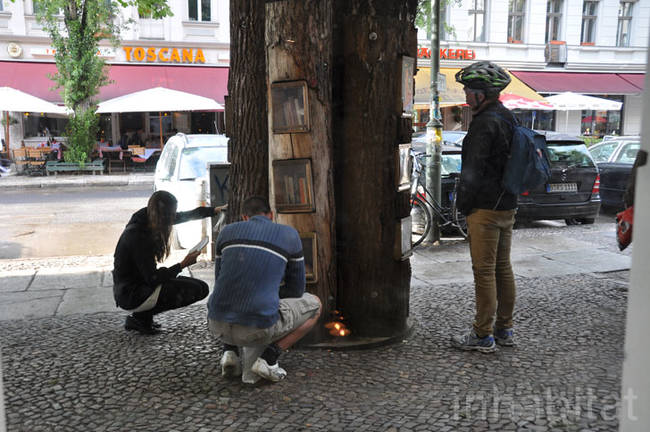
(434, 126)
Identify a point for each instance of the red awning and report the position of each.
(32, 77)
(636, 79)
(585, 83)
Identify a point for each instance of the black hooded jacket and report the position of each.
(485, 151)
(135, 271)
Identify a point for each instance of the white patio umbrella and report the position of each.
(16, 100)
(569, 101)
(158, 99)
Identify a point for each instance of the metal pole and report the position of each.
(434, 127)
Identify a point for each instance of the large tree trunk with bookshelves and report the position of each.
(374, 283)
(246, 108)
(348, 53)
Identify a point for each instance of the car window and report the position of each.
(628, 152)
(453, 138)
(563, 155)
(194, 160)
(602, 152)
(167, 163)
(450, 163)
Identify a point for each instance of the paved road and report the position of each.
(38, 223)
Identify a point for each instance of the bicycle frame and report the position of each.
(443, 214)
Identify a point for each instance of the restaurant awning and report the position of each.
(32, 77)
(637, 80)
(453, 93)
(584, 83)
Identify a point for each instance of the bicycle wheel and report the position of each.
(420, 221)
(459, 219)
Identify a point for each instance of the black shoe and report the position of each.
(132, 323)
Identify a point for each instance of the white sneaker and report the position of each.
(230, 364)
(272, 373)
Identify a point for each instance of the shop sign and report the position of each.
(49, 52)
(448, 53)
(166, 55)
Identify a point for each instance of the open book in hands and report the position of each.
(200, 245)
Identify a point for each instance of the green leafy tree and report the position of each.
(423, 17)
(76, 28)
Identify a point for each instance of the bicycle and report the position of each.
(448, 218)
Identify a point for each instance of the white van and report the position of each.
(182, 171)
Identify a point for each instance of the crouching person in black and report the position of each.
(139, 285)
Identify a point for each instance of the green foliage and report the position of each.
(590, 140)
(76, 27)
(81, 132)
(423, 17)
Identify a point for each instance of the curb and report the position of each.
(76, 181)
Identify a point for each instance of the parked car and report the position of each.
(572, 193)
(182, 171)
(615, 158)
(450, 164)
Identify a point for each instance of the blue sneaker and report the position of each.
(505, 337)
(471, 342)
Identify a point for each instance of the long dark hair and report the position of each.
(161, 212)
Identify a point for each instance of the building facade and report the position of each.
(189, 51)
(591, 47)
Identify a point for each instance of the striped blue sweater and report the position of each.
(253, 258)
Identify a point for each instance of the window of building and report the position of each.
(41, 125)
(553, 19)
(477, 21)
(624, 23)
(601, 123)
(589, 15)
(199, 10)
(1, 7)
(516, 21)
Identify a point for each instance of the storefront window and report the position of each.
(553, 19)
(104, 132)
(199, 10)
(516, 21)
(203, 123)
(601, 123)
(477, 21)
(624, 23)
(35, 125)
(589, 15)
(536, 119)
(158, 120)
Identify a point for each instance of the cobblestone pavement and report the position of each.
(85, 373)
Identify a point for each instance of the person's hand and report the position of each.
(219, 209)
(190, 259)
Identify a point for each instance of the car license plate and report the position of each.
(562, 187)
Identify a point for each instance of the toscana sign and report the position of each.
(166, 55)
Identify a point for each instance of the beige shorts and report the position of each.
(294, 312)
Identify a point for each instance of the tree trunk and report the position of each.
(373, 285)
(246, 107)
(299, 47)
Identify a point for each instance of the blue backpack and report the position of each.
(528, 166)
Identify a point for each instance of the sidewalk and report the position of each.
(70, 366)
(80, 180)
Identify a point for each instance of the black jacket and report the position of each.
(485, 150)
(135, 272)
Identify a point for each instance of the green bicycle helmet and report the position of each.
(483, 75)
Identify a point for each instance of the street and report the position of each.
(55, 222)
(64, 222)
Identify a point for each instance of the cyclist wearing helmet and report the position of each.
(490, 210)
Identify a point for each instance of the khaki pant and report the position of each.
(490, 238)
(294, 312)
